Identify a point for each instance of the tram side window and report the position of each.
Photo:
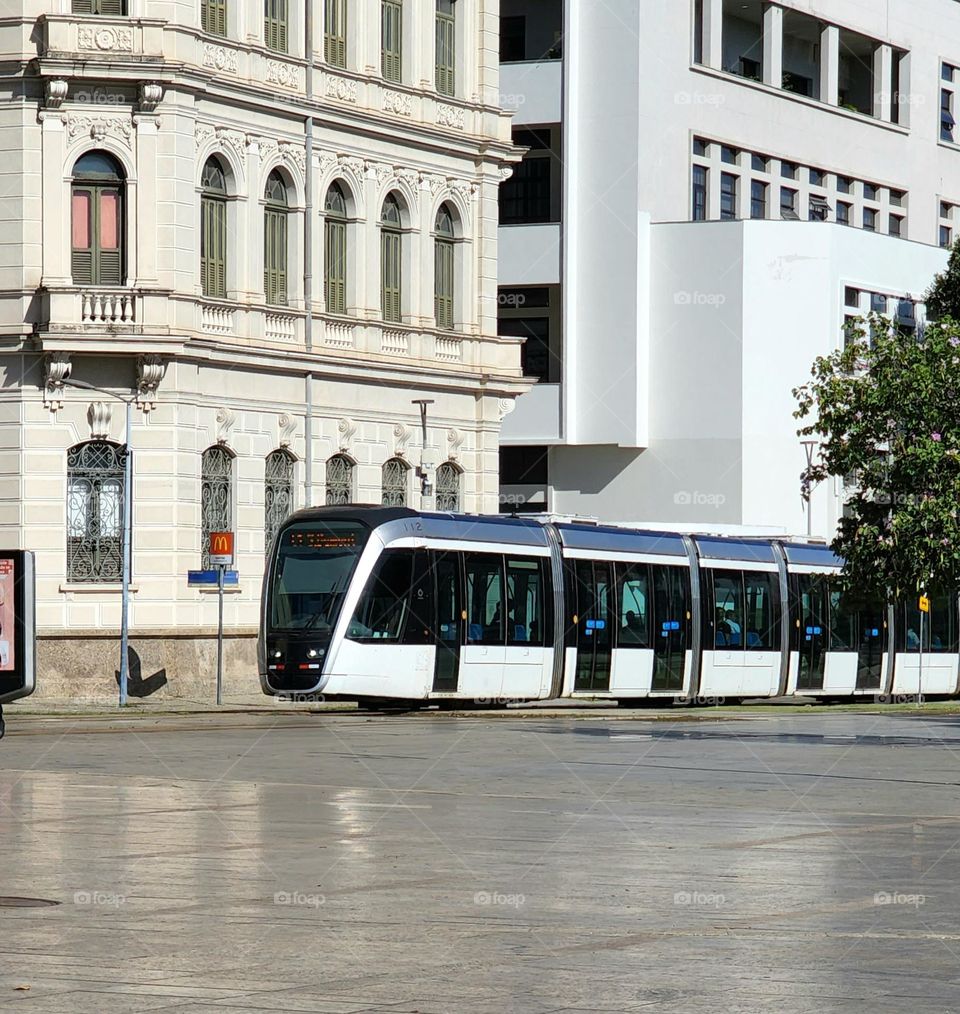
(485, 620)
(671, 594)
(383, 606)
(728, 609)
(525, 613)
(761, 626)
(844, 621)
(939, 626)
(634, 588)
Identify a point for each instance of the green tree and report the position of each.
(885, 410)
(943, 297)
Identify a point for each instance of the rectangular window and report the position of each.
(525, 612)
(527, 196)
(896, 198)
(729, 155)
(851, 297)
(382, 610)
(443, 284)
(485, 621)
(335, 265)
(947, 122)
(788, 170)
(700, 147)
(699, 211)
(390, 268)
(535, 354)
(896, 225)
(335, 32)
(727, 610)
(758, 199)
(391, 48)
(728, 196)
(816, 177)
(843, 213)
(940, 626)
(878, 302)
(275, 25)
(869, 192)
(761, 624)
(275, 257)
(446, 47)
(634, 598)
(788, 203)
(105, 8)
(81, 219)
(869, 219)
(213, 247)
(946, 236)
(96, 256)
(513, 39)
(213, 16)
(843, 184)
(760, 163)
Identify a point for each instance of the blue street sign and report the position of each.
(208, 578)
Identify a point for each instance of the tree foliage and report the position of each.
(885, 410)
(943, 297)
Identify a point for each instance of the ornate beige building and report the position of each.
(272, 227)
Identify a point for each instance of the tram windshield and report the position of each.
(315, 561)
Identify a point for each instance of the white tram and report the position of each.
(378, 603)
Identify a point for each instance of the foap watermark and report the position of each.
(99, 97)
(293, 698)
(709, 899)
(899, 898)
(511, 299)
(512, 100)
(495, 702)
(685, 298)
(299, 899)
(103, 899)
(696, 498)
(513, 500)
(498, 898)
(703, 702)
(685, 98)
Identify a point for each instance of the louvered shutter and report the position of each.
(445, 54)
(275, 258)
(336, 255)
(82, 6)
(220, 262)
(109, 8)
(335, 33)
(443, 274)
(391, 40)
(82, 230)
(107, 236)
(390, 268)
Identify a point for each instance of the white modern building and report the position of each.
(711, 188)
(273, 229)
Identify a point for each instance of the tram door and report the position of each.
(449, 621)
(871, 648)
(812, 616)
(670, 607)
(595, 626)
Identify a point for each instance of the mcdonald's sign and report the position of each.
(221, 549)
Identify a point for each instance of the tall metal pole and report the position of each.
(219, 634)
(127, 539)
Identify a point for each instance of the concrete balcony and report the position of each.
(94, 37)
(529, 254)
(100, 314)
(532, 91)
(536, 419)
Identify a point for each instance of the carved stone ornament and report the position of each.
(451, 116)
(324, 160)
(506, 171)
(106, 38)
(465, 188)
(380, 172)
(56, 92)
(150, 95)
(342, 88)
(99, 416)
(226, 417)
(454, 442)
(505, 406)
(401, 437)
(346, 429)
(99, 127)
(294, 154)
(56, 369)
(202, 132)
(150, 371)
(397, 103)
(435, 184)
(286, 425)
(220, 58)
(287, 75)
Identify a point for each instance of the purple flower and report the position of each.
(954, 341)
(936, 436)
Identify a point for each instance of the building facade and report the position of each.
(711, 188)
(272, 230)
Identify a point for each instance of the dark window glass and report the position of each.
(788, 170)
(896, 225)
(758, 199)
(523, 466)
(788, 203)
(525, 612)
(851, 296)
(939, 626)
(946, 236)
(728, 196)
(535, 354)
(485, 620)
(761, 623)
(634, 598)
(869, 192)
(526, 196)
(382, 609)
(513, 39)
(727, 609)
(843, 213)
(869, 220)
(699, 193)
(843, 184)
(760, 163)
(700, 147)
(729, 155)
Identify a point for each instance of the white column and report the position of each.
(903, 108)
(412, 29)
(56, 201)
(145, 243)
(427, 19)
(773, 46)
(368, 279)
(882, 81)
(422, 305)
(830, 65)
(254, 226)
(713, 33)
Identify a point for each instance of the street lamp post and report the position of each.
(426, 489)
(127, 530)
(809, 446)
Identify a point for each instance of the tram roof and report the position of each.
(623, 540)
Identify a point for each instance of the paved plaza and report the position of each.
(433, 863)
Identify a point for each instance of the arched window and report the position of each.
(391, 39)
(97, 228)
(275, 241)
(335, 249)
(275, 16)
(213, 16)
(394, 483)
(95, 472)
(391, 250)
(278, 493)
(448, 487)
(444, 268)
(339, 481)
(335, 32)
(446, 46)
(216, 496)
(213, 230)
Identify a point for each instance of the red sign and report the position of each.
(221, 549)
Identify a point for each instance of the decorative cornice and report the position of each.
(56, 92)
(398, 103)
(342, 88)
(99, 127)
(107, 38)
(56, 369)
(220, 58)
(287, 75)
(150, 371)
(450, 116)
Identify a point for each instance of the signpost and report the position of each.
(221, 557)
(924, 606)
